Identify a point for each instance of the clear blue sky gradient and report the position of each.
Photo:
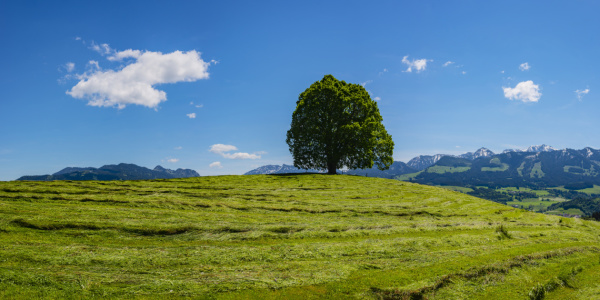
(270, 51)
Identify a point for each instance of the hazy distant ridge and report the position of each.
(114, 172)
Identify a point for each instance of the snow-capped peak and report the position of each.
(536, 148)
(540, 148)
(482, 152)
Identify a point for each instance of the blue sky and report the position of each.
(211, 86)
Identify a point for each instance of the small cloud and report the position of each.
(502, 72)
(464, 72)
(581, 93)
(178, 148)
(103, 49)
(457, 146)
(191, 116)
(447, 63)
(216, 164)
(222, 150)
(524, 66)
(173, 160)
(366, 82)
(70, 66)
(93, 65)
(77, 38)
(525, 91)
(377, 98)
(418, 64)
(385, 70)
(196, 105)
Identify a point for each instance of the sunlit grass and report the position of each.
(296, 236)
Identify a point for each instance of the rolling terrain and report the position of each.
(284, 236)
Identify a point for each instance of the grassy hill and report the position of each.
(284, 236)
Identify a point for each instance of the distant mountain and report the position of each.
(114, 172)
(536, 148)
(396, 169)
(541, 166)
(482, 152)
(422, 162)
(277, 169)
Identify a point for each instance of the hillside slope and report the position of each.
(283, 236)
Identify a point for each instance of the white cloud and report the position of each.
(93, 65)
(103, 49)
(178, 148)
(70, 66)
(216, 164)
(222, 150)
(581, 93)
(525, 91)
(377, 98)
(418, 64)
(191, 116)
(365, 83)
(117, 56)
(172, 160)
(447, 63)
(524, 66)
(197, 105)
(502, 72)
(78, 38)
(134, 83)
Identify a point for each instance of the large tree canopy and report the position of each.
(336, 124)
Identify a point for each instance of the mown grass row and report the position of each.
(293, 236)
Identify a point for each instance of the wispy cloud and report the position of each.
(70, 66)
(377, 98)
(191, 116)
(178, 148)
(173, 160)
(524, 66)
(525, 91)
(196, 105)
(366, 82)
(216, 164)
(223, 150)
(581, 93)
(134, 83)
(418, 64)
(447, 63)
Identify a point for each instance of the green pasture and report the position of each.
(283, 237)
(446, 169)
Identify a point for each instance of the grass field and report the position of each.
(284, 237)
(446, 169)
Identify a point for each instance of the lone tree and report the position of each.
(336, 124)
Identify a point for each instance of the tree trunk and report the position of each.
(331, 168)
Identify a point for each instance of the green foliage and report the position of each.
(279, 237)
(586, 205)
(337, 124)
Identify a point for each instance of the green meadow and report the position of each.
(284, 237)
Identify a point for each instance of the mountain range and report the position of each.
(539, 165)
(114, 172)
